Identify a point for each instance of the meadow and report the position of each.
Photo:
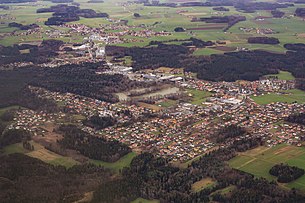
(202, 184)
(289, 29)
(41, 153)
(289, 96)
(283, 75)
(118, 165)
(259, 161)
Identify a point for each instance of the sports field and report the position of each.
(198, 96)
(260, 160)
(290, 96)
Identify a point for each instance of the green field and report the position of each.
(41, 153)
(202, 184)
(141, 200)
(167, 103)
(260, 160)
(118, 165)
(198, 96)
(291, 96)
(283, 75)
(288, 30)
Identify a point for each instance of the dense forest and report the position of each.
(26, 179)
(263, 40)
(92, 146)
(277, 13)
(300, 12)
(221, 9)
(82, 79)
(285, 173)
(296, 118)
(37, 54)
(14, 136)
(243, 65)
(230, 20)
(79, 79)
(23, 27)
(99, 122)
(228, 132)
(152, 57)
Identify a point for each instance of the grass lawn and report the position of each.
(260, 160)
(198, 96)
(202, 184)
(167, 103)
(141, 200)
(294, 95)
(284, 75)
(116, 166)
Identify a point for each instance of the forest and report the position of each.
(99, 122)
(244, 65)
(154, 178)
(286, 173)
(228, 132)
(13, 136)
(277, 13)
(298, 118)
(82, 79)
(300, 12)
(263, 40)
(91, 146)
(37, 54)
(23, 27)
(26, 179)
(230, 20)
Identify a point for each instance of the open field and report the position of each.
(141, 200)
(284, 75)
(260, 160)
(290, 96)
(118, 165)
(202, 184)
(167, 103)
(198, 96)
(41, 153)
(288, 30)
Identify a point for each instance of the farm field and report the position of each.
(260, 160)
(41, 153)
(118, 165)
(290, 96)
(288, 30)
